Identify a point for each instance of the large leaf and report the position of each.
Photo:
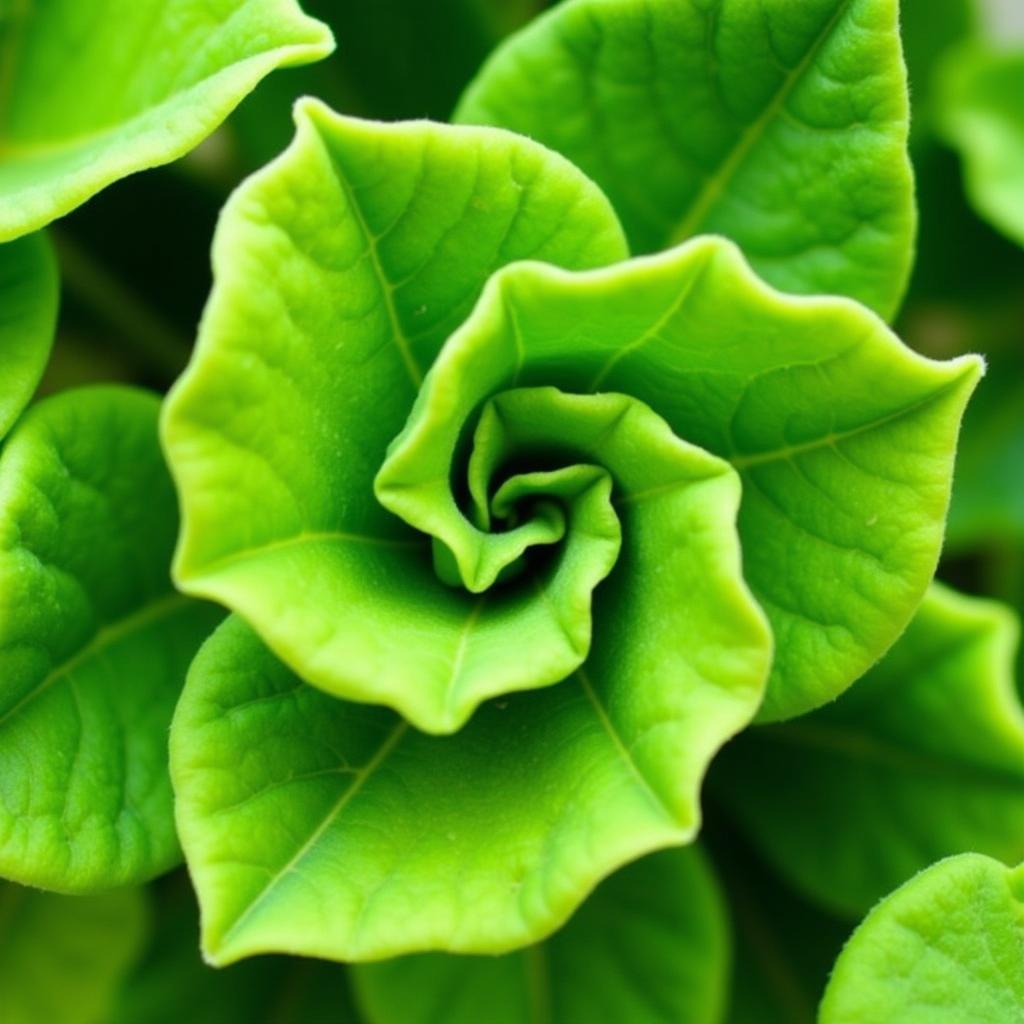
(94, 643)
(28, 318)
(923, 758)
(843, 438)
(325, 315)
(93, 91)
(386, 840)
(982, 115)
(781, 125)
(172, 985)
(946, 948)
(650, 946)
(62, 957)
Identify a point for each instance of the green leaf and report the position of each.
(325, 315)
(171, 984)
(650, 946)
(843, 438)
(91, 93)
(28, 297)
(62, 957)
(946, 948)
(923, 758)
(388, 841)
(94, 643)
(780, 125)
(983, 118)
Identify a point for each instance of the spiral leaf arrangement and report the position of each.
(543, 526)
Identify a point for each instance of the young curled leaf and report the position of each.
(945, 948)
(28, 319)
(780, 125)
(94, 643)
(921, 759)
(651, 945)
(93, 91)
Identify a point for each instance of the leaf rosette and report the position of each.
(482, 481)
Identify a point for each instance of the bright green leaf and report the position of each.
(94, 643)
(63, 957)
(172, 985)
(320, 827)
(946, 948)
(28, 319)
(650, 946)
(922, 758)
(780, 125)
(93, 91)
(982, 116)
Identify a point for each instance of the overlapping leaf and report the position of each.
(62, 958)
(92, 91)
(781, 125)
(923, 758)
(94, 643)
(28, 318)
(651, 945)
(945, 948)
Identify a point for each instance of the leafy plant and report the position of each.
(536, 458)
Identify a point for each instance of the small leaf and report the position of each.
(94, 91)
(94, 643)
(982, 116)
(946, 948)
(62, 957)
(650, 946)
(28, 300)
(172, 985)
(780, 125)
(388, 841)
(922, 758)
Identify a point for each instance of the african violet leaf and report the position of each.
(946, 948)
(94, 643)
(983, 117)
(650, 946)
(28, 319)
(923, 758)
(63, 957)
(780, 125)
(172, 985)
(94, 91)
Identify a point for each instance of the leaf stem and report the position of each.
(161, 347)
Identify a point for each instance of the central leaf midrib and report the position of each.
(105, 637)
(716, 185)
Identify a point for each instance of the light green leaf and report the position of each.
(28, 319)
(923, 758)
(94, 643)
(650, 946)
(844, 440)
(93, 91)
(341, 269)
(780, 125)
(172, 985)
(982, 116)
(946, 948)
(62, 957)
(388, 841)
